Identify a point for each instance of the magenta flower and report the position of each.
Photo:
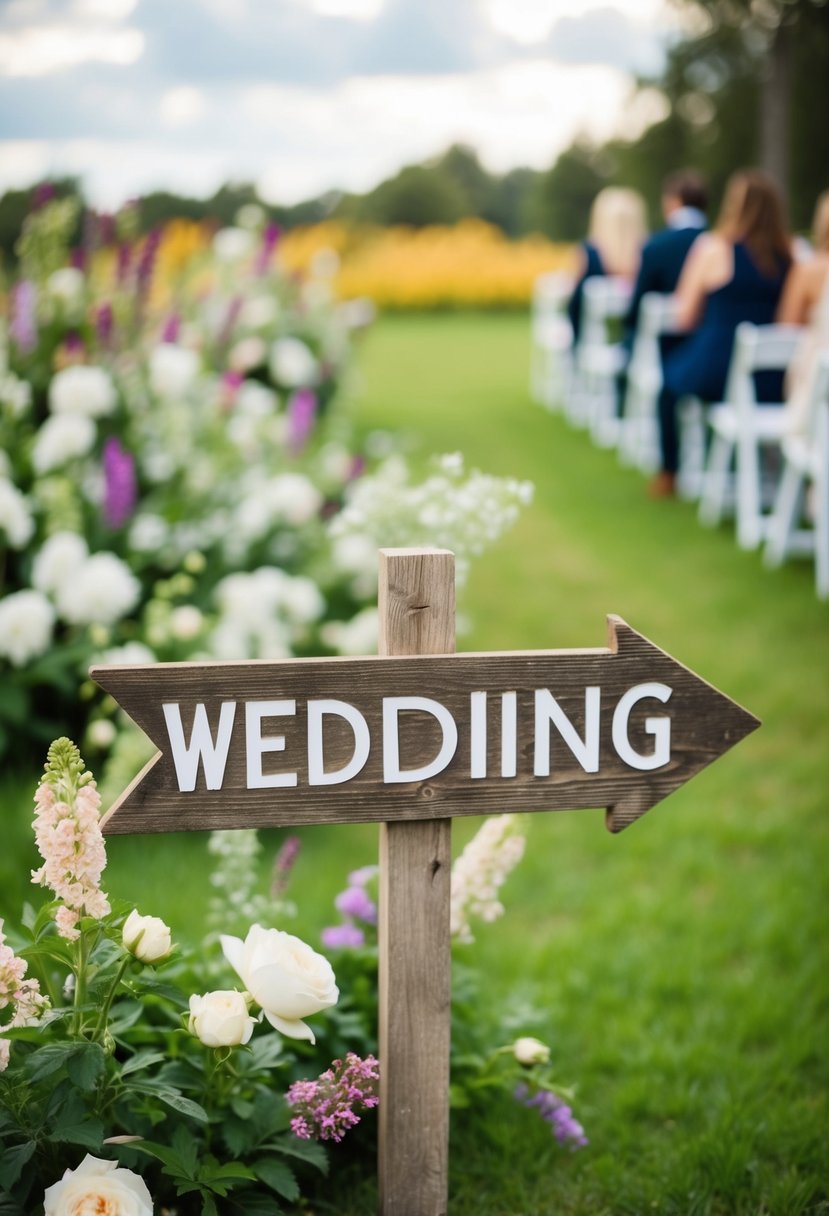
(283, 865)
(171, 328)
(104, 324)
(270, 240)
(343, 937)
(42, 194)
(359, 878)
(355, 901)
(120, 488)
(23, 324)
(302, 409)
(327, 1108)
(557, 1113)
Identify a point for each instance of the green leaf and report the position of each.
(303, 1150)
(86, 1065)
(162, 1152)
(249, 1204)
(141, 1060)
(266, 1051)
(187, 1151)
(278, 1176)
(88, 1132)
(12, 1162)
(208, 1207)
(184, 1106)
(49, 947)
(49, 1059)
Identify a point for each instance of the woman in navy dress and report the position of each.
(616, 232)
(733, 274)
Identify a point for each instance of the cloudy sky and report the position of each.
(301, 96)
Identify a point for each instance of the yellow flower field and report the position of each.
(472, 264)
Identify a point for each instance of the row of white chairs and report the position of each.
(738, 457)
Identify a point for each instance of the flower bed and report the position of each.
(141, 1074)
(176, 460)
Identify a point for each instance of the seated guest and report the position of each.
(684, 202)
(616, 230)
(806, 302)
(804, 285)
(733, 274)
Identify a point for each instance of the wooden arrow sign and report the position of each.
(262, 744)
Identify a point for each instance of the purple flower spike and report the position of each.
(284, 863)
(302, 410)
(359, 878)
(120, 489)
(43, 193)
(23, 325)
(171, 328)
(557, 1113)
(123, 264)
(104, 323)
(146, 261)
(270, 240)
(355, 902)
(342, 937)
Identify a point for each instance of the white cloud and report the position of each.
(42, 50)
(182, 106)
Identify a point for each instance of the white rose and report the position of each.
(221, 1019)
(530, 1051)
(186, 622)
(172, 369)
(102, 591)
(66, 285)
(26, 620)
(98, 1186)
(88, 391)
(58, 560)
(147, 937)
(284, 975)
(233, 244)
(62, 437)
(292, 365)
(15, 517)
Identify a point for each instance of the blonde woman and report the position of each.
(806, 302)
(616, 233)
(804, 285)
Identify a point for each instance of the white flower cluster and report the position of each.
(15, 517)
(480, 871)
(15, 394)
(449, 510)
(82, 391)
(263, 613)
(88, 588)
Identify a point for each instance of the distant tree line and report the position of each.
(750, 85)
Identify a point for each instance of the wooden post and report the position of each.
(417, 616)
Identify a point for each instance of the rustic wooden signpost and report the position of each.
(410, 739)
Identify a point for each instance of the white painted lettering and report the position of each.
(509, 734)
(547, 710)
(317, 710)
(477, 735)
(256, 745)
(660, 728)
(202, 747)
(392, 707)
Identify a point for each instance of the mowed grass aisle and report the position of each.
(681, 968)
(679, 971)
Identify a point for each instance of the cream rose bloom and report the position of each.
(530, 1051)
(98, 1188)
(285, 976)
(221, 1019)
(147, 937)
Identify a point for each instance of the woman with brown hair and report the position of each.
(733, 274)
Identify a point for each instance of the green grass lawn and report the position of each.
(680, 971)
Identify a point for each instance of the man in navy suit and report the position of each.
(684, 200)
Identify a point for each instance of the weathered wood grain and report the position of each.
(417, 614)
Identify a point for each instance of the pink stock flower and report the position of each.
(24, 996)
(69, 838)
(327, 1108)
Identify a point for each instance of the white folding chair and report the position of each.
(639, 433)
(551, 354)
(742, 431)
(797, 524)
(599, 359)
